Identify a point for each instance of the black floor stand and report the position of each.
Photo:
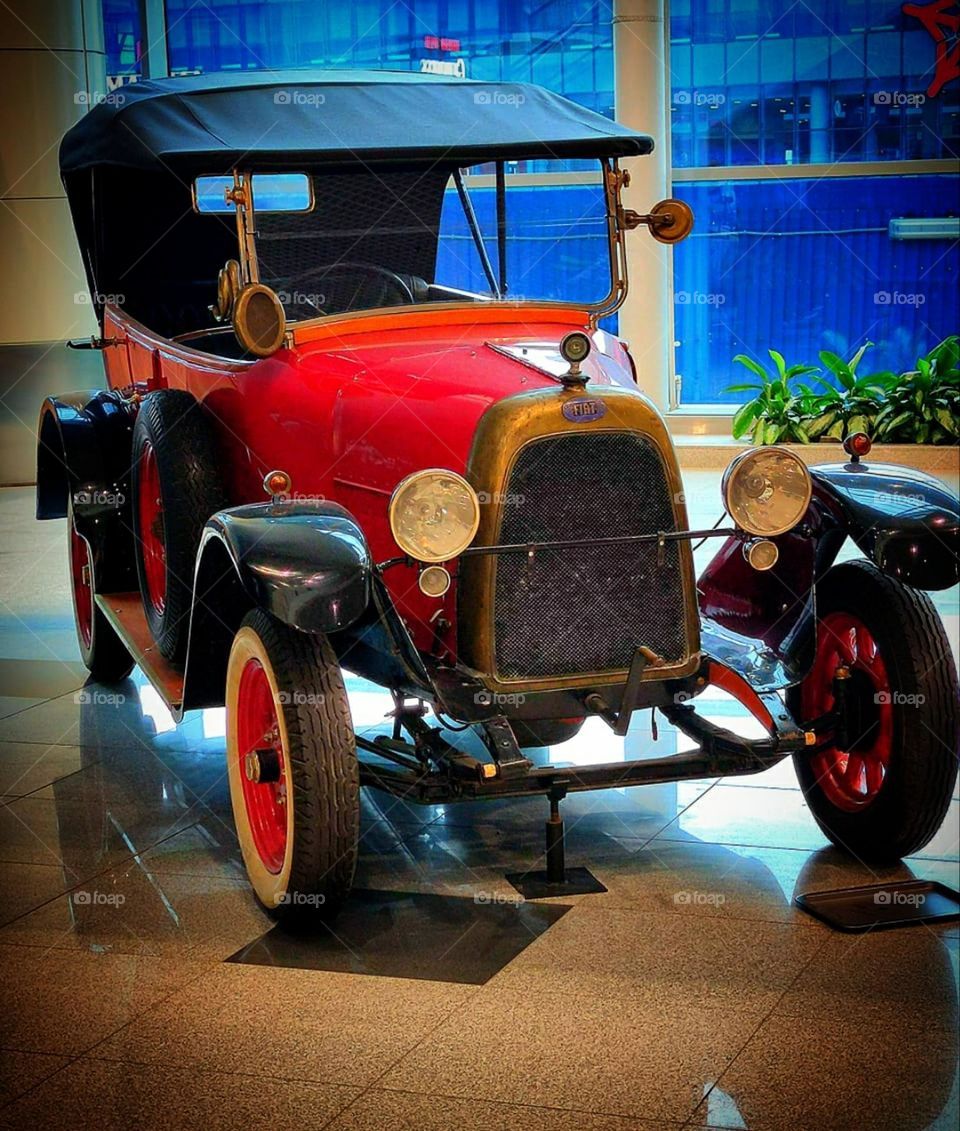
(557, 879)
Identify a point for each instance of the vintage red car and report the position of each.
(468, 500)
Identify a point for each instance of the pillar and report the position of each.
(52, 69)
(642, 90)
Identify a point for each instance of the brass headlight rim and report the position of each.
(752, 453)
(447, 473)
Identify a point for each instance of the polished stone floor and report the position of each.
(142, 988)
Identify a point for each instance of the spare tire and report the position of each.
(174, 474)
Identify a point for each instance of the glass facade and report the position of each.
(762, 83)
(566, 45)
(121, 33)
(804, 264)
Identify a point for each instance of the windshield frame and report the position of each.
(612, 180)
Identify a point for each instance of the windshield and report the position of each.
(375, 239)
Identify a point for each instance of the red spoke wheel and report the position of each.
(150, 511)
(101, 649)
(851, 777)
(883, 787)
(176, 488)
(263, 765)
(292, 766)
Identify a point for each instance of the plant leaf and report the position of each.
(751, 365)
(778, 362)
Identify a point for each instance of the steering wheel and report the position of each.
(344, 267)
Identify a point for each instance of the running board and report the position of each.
(125, 613)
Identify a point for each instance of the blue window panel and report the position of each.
(121, 35)
(801, 266)
(556, 244)
(554, 42)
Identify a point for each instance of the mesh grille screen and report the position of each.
(586, 609)
(388, 219)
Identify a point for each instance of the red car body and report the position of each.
(351, 413)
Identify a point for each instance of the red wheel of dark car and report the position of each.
(263, 765)
(176, 488)
(292, 767)
(851, 777)
(882, 789)
(150, 504)
(103, 652)
(81, 576)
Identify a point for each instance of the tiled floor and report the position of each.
(692, 993)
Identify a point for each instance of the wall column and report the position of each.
(642, 88)
(52, 69)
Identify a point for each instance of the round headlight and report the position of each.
(434, 515)
(767, 491)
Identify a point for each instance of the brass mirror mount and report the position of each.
(240, 195)
(669, 221)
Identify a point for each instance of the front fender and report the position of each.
(307, 564)
(906, 522)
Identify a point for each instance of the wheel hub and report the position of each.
(262, 766)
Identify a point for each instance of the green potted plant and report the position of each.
(921, 406)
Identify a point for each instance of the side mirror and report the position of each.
(258, 320)
(669, 221)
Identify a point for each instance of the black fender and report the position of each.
(905, 521)
(308, 564)
(763, 624)
(83, 457)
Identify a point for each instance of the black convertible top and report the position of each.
(379, 146)
(267, 119)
